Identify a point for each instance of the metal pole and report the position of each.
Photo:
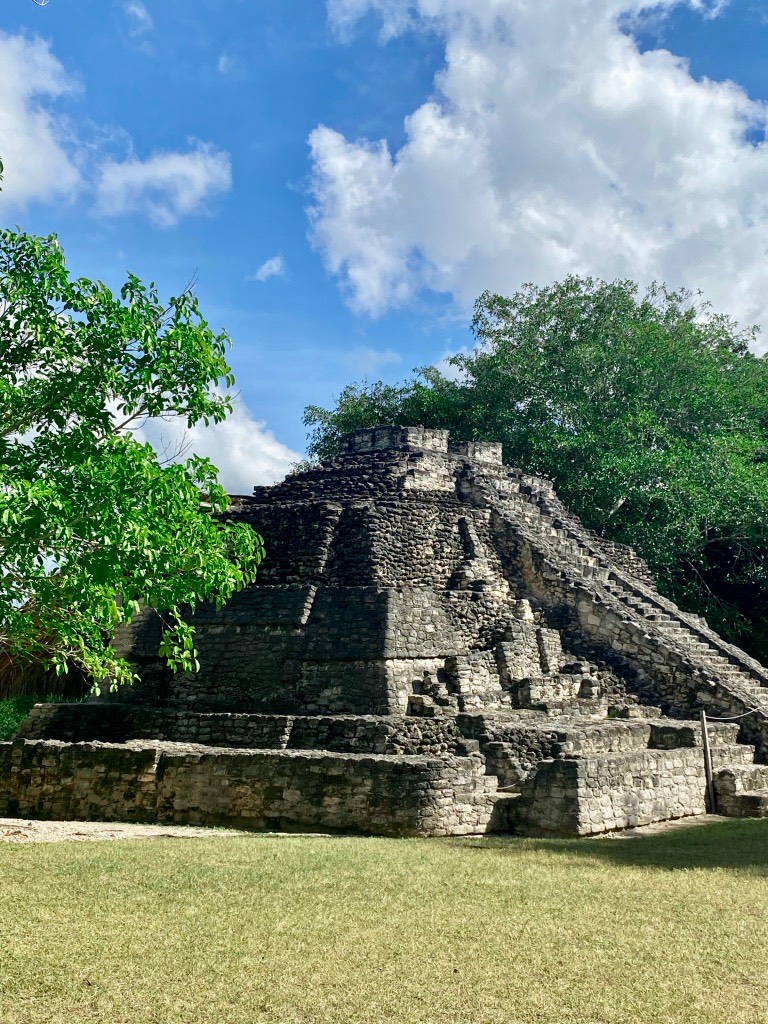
(708, 764)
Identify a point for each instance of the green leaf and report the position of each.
(95, 529)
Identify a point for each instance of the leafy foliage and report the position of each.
(92, 526)
(649, 412)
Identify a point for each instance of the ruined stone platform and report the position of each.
(434, 646)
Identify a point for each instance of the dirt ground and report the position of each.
(25, 830)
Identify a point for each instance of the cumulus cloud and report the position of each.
(273, 267)
(35, 144)
(447, 368)
(245, 452)
(166, 186)
(551, 145)
(45, 160)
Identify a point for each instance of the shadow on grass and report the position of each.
(734, 845)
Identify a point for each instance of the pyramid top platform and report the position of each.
(410, 439)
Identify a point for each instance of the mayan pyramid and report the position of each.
(434, 645)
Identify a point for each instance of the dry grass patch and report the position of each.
(669, 928)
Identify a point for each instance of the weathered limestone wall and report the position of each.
(264, 789)
(376, 438)
(742, 791)
(341, 650)
(590, 795)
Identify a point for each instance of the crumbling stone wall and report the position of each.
(591, 795)
(265, 789)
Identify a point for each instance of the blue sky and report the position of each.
(174, 138)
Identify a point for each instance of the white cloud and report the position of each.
(368, 362)
(396, 15)
(709, 8)
(35, 145)
(273, 267)
(45, 160)
(224, 64)
(166, 186)
(245, 452)
(139, 19)
(551, 145)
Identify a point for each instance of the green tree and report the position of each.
(92, 525)
(648, 411)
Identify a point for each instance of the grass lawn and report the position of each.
(669, 928)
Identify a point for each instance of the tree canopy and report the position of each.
(93, 525)
(648, 411)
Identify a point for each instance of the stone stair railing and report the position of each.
(574, 541)
(697, 666)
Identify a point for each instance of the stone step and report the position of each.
(750, 804)
(615, 735)
(633, 711)
(505, 813)
(584, 708)
(742, 790)
(611, 735)
(362, 734)
(667, 734)
(733, 755)
(738, 778)
(549, 689)
(507, 761)
(722, 672)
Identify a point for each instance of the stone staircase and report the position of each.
(528, 755)
(680, 662)
(567, 535)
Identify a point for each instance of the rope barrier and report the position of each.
(734, 718)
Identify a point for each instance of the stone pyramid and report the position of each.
(434, 645)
